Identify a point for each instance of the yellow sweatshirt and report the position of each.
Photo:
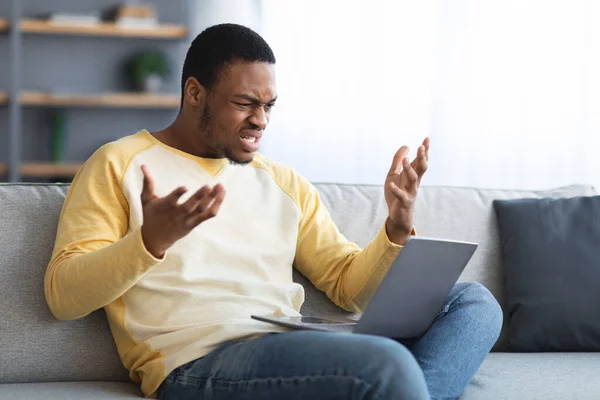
(165, 313)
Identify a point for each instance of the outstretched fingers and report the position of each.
(398, 160)
(148, 186)
(196, 199)
(209, 209)
(409, 178)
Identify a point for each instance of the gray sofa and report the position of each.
(42, 358)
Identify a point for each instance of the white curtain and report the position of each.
(205, 13)
(508, 90)
(354, 79)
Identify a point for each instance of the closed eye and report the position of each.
(268, 106)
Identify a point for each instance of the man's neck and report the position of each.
(177, 135)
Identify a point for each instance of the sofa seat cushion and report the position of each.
(70, 391)
(534, 376)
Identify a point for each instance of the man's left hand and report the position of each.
(401, 187)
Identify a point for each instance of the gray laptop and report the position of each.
(408, 299)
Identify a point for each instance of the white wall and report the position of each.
(211, 12)
(508, 90)
(517, 93)
(355, 82)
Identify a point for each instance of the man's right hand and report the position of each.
(166, 221)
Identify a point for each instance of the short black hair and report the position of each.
(217, 47)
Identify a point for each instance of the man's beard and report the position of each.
(211, 132)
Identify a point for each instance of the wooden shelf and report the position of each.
(49, 170)
(3, 25)
(108, 100)
(102, 29)
(45, 170)
(111, 100)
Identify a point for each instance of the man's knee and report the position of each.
(485, 306)
(391, 369)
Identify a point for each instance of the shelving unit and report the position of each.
(18, 25)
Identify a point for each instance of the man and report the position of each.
(149, 233)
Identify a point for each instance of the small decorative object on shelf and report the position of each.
(131, 19)
(147, 70)
(134, 14)
(75, 19)
(3, 25)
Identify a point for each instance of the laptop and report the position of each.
(408, 299)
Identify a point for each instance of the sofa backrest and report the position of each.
(446, 212)
(35, 347)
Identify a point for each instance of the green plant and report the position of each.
(59, 132)
(148, 63)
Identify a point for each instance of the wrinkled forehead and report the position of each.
(252, 78)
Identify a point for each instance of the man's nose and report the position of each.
(259, 118)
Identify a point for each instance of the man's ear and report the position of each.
(194, 92)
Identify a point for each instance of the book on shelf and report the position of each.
(62, 18)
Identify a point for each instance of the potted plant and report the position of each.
(148, 70)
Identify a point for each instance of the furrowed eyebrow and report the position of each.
(253, 99)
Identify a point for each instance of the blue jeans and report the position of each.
(322, 366)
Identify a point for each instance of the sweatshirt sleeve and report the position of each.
(348, 274)
(95, 260)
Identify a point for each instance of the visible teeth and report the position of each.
(250, 139)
